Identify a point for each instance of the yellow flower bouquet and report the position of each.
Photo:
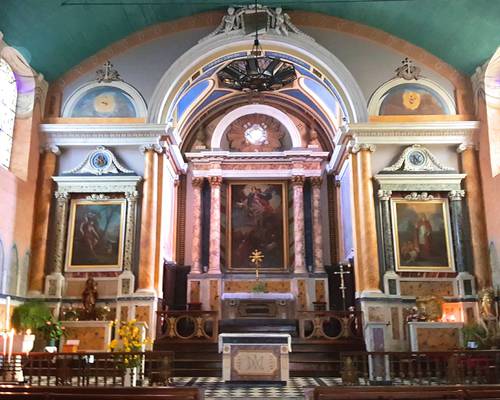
(128, 339)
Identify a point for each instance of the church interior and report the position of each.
(268, 200)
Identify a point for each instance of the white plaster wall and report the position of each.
(345, 212)
(370, 63)
(168, 211)
(129, 156)
(143, 66)
(386, 154)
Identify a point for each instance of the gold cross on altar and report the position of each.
(256, 258)
(342, 286)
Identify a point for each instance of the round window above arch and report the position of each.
(105, 100)
(411, 97)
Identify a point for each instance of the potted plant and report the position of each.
(28, 319)
(475, 336)
(53, 330)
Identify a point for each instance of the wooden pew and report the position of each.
(99, 392)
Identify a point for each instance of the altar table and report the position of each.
(258, 305)
(255, 357)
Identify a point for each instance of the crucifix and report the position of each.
(107, 74)
(342, 286)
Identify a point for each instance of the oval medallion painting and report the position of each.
(105, 101)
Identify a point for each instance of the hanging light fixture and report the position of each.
(257, 72)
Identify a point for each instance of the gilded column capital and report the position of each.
(465, 146)
(132, 195)
(384, 194)
(316, 181)
(50, 149)
(61, 196)
(198, 182)
(355, 147)
(151, 147)
(455, 195)
(298, 180)
(215, 180)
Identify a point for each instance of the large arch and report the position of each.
(297, 45)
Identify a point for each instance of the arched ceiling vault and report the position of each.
(56, 35)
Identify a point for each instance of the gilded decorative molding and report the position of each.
(97, 197)
(197, 182)
(456, 195)
(298, 180)
(419, 196)
(384, 194)
(215, 180)
(316, 181)
(407, 71)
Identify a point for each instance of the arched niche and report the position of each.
(410, 96)
(264, 109)
(114, 99)
(203, 55)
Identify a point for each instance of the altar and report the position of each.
(255, 357)
(243, 305)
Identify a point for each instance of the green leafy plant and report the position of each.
(476, 333)
(30, 315)
(53, 330)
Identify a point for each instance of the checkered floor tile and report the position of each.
(216, 389)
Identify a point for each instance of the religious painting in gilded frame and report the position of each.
(96, 235)
(422, 235)
(257, 220)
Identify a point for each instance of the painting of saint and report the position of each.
(257, 220)
(421, 230)
(95, 237)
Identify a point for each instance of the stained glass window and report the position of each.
(8, 99)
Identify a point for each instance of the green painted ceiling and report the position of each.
(55, 36)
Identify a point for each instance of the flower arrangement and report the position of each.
(53, 330)
(128, 339)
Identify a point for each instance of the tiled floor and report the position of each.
(216, 389)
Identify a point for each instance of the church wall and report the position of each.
(370, 63)
(18, 196)
(143, 66)
(345, 212)
(325, 223)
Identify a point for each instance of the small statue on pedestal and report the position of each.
(89, 297)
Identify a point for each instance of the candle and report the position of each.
(4, 340)
(7, 314)
(11, 344)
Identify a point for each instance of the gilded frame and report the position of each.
(229, 229)
(402, 265)
(71, 251)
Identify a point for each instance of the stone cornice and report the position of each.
(275, 156)
(100, 134)
(401, 133)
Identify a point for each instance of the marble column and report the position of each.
(147, 255)
(366, 230)
(298, 224)
(39, 237)
(385, 208)
(477, 217)
(317, 228)
(457, 229)
(196, 249)
(61, 216)
(214, 246)
(128, 251)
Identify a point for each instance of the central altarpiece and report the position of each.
(256, 204)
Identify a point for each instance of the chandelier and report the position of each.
(257, 72)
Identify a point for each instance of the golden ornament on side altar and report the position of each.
(256, 258)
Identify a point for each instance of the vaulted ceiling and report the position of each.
(55, 35)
